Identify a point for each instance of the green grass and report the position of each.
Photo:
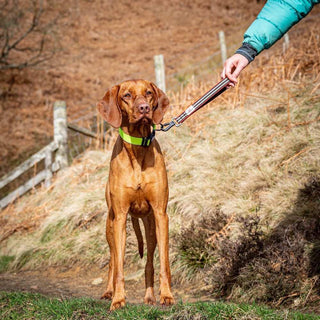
(5, 262)
(34, 306)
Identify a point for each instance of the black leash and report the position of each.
(205, 99)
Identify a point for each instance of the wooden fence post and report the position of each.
(48, 168)
(285, 45)
(160, 72)
(61, 132)
(223, 46)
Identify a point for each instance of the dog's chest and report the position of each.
(139, 205)
(138, 181)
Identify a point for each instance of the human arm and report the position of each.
(274, 20)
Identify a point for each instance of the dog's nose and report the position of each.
(144, 108)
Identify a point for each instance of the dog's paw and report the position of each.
(150, 300)
(107, 295)
(149, 297)
(117, 303)
(167, 300)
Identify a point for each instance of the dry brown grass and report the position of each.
(104, 43)
(248, 154)
(252, 152)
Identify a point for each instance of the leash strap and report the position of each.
(144, 142)
(205, 99)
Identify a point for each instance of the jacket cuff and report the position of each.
(248, 51)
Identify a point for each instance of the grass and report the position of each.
(5, 262)
(34, 306)
(60, 228)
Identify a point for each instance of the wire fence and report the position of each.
(89, 129)
(90, 120)
(203, 69)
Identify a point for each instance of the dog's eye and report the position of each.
(148, 93)
(127, 95)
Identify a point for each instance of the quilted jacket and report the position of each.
(274, 20)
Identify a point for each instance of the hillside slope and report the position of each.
(103, 43)
(244, 203)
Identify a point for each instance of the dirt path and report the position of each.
(76, 283)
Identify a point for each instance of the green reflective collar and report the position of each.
(144, 142)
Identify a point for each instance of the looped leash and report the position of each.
(205, 99)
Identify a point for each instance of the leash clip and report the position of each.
(167, 126)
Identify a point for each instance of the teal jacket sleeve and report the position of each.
(274, 20)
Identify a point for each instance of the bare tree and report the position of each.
(25, 39)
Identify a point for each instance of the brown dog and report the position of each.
(137, 185)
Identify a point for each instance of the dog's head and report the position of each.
(135, 102)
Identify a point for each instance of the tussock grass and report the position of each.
(5, 262)
(253, 154)
(71, 226)
(62, 234)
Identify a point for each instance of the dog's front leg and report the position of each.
(110, 239)
(119, 235)
(162, 232)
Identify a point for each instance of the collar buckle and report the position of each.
(146, 141)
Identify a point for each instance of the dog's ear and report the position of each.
(109, 108)
(161, 105)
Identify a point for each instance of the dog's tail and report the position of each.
(137, 230)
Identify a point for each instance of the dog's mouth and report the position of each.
(142, 119)
(145, 120)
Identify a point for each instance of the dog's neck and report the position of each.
(138, 131)
(136, 153)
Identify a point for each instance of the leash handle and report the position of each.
(205, 99)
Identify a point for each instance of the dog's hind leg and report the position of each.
(150, 231)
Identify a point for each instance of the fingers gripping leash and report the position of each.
(205, 99)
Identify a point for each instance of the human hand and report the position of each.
(233, 66)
